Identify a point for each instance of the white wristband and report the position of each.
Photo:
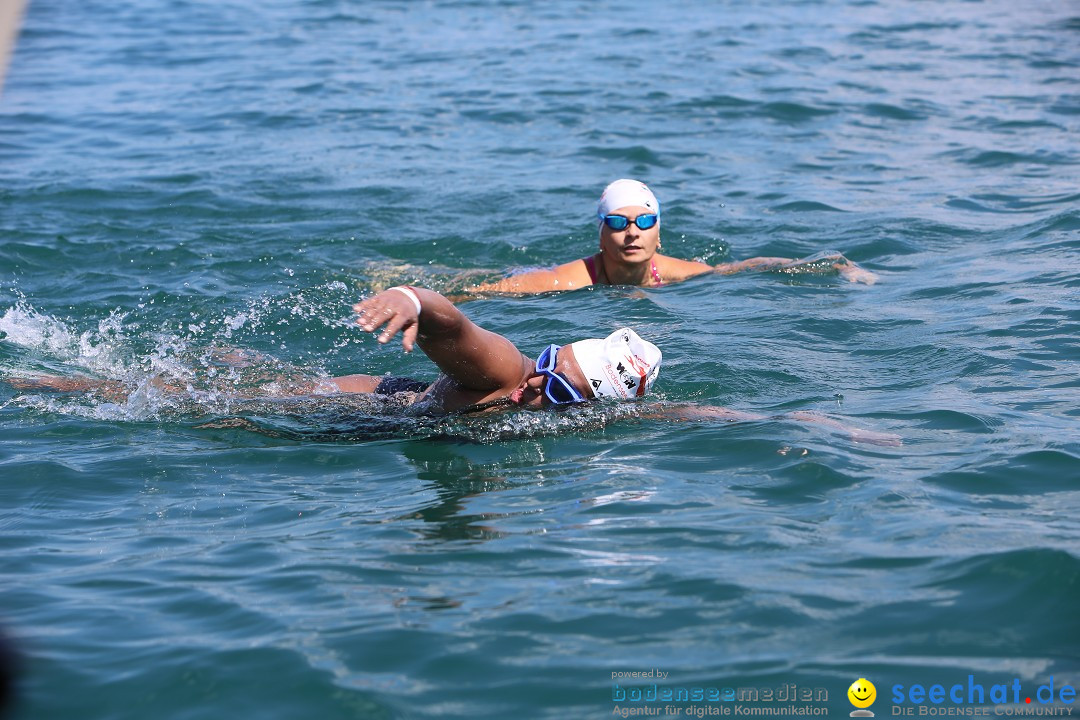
(411, 295)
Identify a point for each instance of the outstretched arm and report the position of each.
(528, 283)
(568, 276)
(822, 263)
(475, 358)
(755, 263)
(688, 413)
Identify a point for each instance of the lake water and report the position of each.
(179, 180)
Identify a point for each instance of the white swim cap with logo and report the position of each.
(626, 193)
(622, 365)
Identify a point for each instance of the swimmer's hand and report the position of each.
(394, 310)
(856, 434)
(823, 262)
(820, 263)
(854, 273)
(706, 413)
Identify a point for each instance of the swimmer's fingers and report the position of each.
(397, 323)
(376, 311)
(371, 316)
(395, 311)
(408, 338)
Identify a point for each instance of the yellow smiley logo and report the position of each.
(862, 693)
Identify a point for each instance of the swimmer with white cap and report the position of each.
(482, 371)
(628, 218)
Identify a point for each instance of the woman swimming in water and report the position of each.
(482, 371)
(629, 221)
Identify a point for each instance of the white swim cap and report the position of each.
(622, 365)
(624, 193)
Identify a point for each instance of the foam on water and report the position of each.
(194, 360)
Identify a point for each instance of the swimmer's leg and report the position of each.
(378, 384)
(54, 383)
(111, 390)
(356, 383)
(116, 391)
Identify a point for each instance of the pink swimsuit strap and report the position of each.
(590, 265)
(655, 272)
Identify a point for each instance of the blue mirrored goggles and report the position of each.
(557, 388)
(621, 222)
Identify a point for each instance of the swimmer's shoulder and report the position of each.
(572, 275)
(675, 270)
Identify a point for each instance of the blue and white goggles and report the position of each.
(557, 388)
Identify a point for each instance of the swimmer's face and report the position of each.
(532, 395)
(631, 245)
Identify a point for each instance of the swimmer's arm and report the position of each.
(856, 434)
(676, 270)
(529, 283)
(847, 269)
(706, 413)
(756, 263)
(475, 358)
(700, 413)
(569, 276)
(833, 261)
